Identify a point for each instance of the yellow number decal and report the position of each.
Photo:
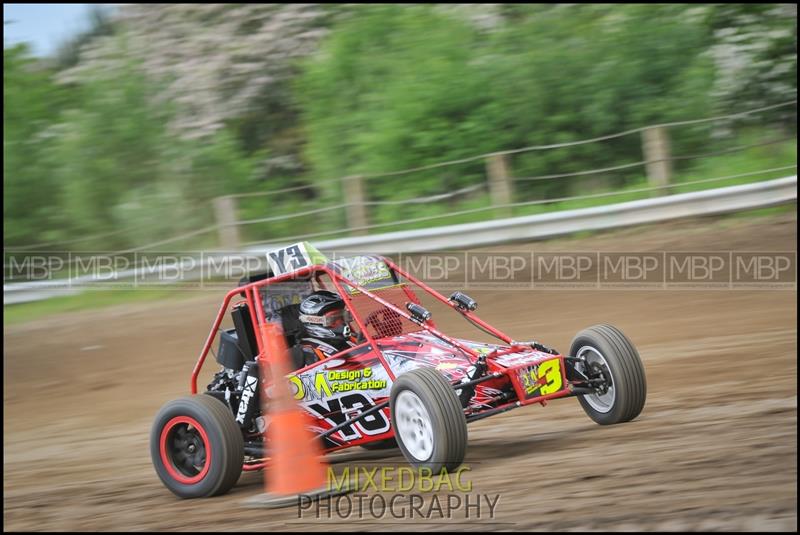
(551, 370)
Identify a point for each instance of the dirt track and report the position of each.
(714, 449)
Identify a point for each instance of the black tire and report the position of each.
(179, 448)
(626, 372)
(386, 444)
(448, 426)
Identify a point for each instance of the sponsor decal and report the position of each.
(368, 272)
(339, 409)
(247, 394)
(325, 383)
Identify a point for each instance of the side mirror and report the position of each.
(419, 313)
(463, 301)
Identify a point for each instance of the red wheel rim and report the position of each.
(184, 439)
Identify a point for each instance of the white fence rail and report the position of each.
(468, 235)
(714, 201)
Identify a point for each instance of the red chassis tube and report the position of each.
(499, 334)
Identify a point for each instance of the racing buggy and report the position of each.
(404, 384)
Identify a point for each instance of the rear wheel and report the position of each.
(196, 447)
(428, 420)
(607, 356)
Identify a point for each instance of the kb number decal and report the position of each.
(294, 257)
(288, 259)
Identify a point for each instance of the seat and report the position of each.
(293, 331)
(245, 334)
(290, 321)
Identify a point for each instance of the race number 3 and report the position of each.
(551, 372)
(543, 379)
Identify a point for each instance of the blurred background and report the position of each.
(134, 129)
(186, 127)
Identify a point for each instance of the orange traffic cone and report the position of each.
(297, 466)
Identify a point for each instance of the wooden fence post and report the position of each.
(356, 212)
(657, 154)
(501, 187)
(228, 231)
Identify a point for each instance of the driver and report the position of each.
(326, 325)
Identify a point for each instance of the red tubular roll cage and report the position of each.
(258, 317)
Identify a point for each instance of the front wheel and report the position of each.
(608, 358)
(196, 447)
(428, 420)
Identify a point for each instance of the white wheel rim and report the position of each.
(599, 402)
(413, 424)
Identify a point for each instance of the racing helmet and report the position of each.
(324, 315)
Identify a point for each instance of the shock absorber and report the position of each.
(248, 401)
(478, 370)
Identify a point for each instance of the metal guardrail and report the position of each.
(707, 202)
(467, 235)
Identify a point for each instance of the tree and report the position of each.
(393, 88)
(32, 103)
(755, 54)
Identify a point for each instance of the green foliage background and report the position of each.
(391, 87)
